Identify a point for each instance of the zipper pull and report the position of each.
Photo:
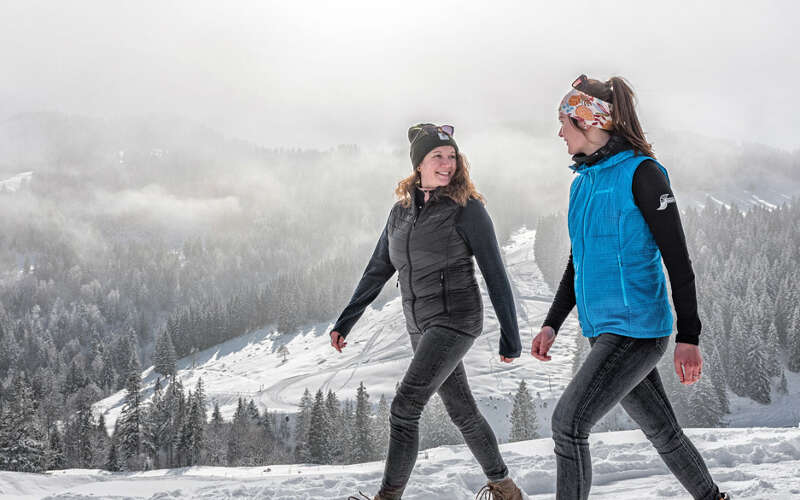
(441, 277)
(397, 284)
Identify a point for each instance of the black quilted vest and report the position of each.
(434, 266)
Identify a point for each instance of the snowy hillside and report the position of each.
(15, 183)
(378, 353)
(751, 464)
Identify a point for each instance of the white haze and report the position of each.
(318, 74)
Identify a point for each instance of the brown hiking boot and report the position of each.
(504, 489)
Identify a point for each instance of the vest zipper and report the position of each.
(583, 255)
(444, 291)
(622, 281)
(411, 270)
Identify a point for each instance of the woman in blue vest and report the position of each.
(622, 221)
(433, 232)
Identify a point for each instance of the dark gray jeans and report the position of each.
(622, 370)
(436, 367)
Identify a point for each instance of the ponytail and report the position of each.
(623, 112)
(623, 115)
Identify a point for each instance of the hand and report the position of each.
(337, 341)
(542, 342)
(688, 363)
(506, 360)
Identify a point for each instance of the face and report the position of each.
(438, 167)
(574, 137)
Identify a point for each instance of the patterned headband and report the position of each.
(587, 109)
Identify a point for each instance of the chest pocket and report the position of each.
(602, 220)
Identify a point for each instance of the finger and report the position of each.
(541, 350)
(679, 370)
(535, 346)
(541, 357)
(544, 347)
(695, 375)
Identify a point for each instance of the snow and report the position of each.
(749, 463)
(378, 353)
(14, 183)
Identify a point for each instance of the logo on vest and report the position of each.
(665, 200)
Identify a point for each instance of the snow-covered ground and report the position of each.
(754, 463)
(378, 353)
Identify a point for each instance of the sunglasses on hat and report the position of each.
(424, 129)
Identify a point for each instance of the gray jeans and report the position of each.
(436, 367)
(622, 370)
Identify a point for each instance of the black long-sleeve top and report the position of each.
(649, 187)
(475, 226)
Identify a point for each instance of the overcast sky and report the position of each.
(317, 74)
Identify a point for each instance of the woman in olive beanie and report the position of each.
(434, 229)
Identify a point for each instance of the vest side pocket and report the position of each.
(622, 281)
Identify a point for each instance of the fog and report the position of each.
(318, 74)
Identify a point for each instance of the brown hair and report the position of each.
(619, 93)
(460, 189)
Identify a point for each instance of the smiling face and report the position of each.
(438, 167)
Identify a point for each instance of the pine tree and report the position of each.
(319, 431)
(238, 435)
(217, 438)
(703, 405)
(348, 430)
(301, 428)
(333, 415)
(197, 424)
(363, 450)
(174, 409)
(55, 451)
(793, 338)
(185, 439)
(23, 442)
(85, 430)
(381, 430)
(113, 460)
(436, 428)
(107, 376)
(165, 357)
(101, 443)
(712, 368)
(523, 415)
(130, 439)
(154, 425)
(758, 383)
(738, 367)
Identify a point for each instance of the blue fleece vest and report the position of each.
(619, 282)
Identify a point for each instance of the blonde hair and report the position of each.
(460, 189)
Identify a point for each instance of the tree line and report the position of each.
(173, 429)
(747, 276)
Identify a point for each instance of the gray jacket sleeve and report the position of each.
(476, 228)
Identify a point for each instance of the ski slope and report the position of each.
(751, 464)
(378, 353)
